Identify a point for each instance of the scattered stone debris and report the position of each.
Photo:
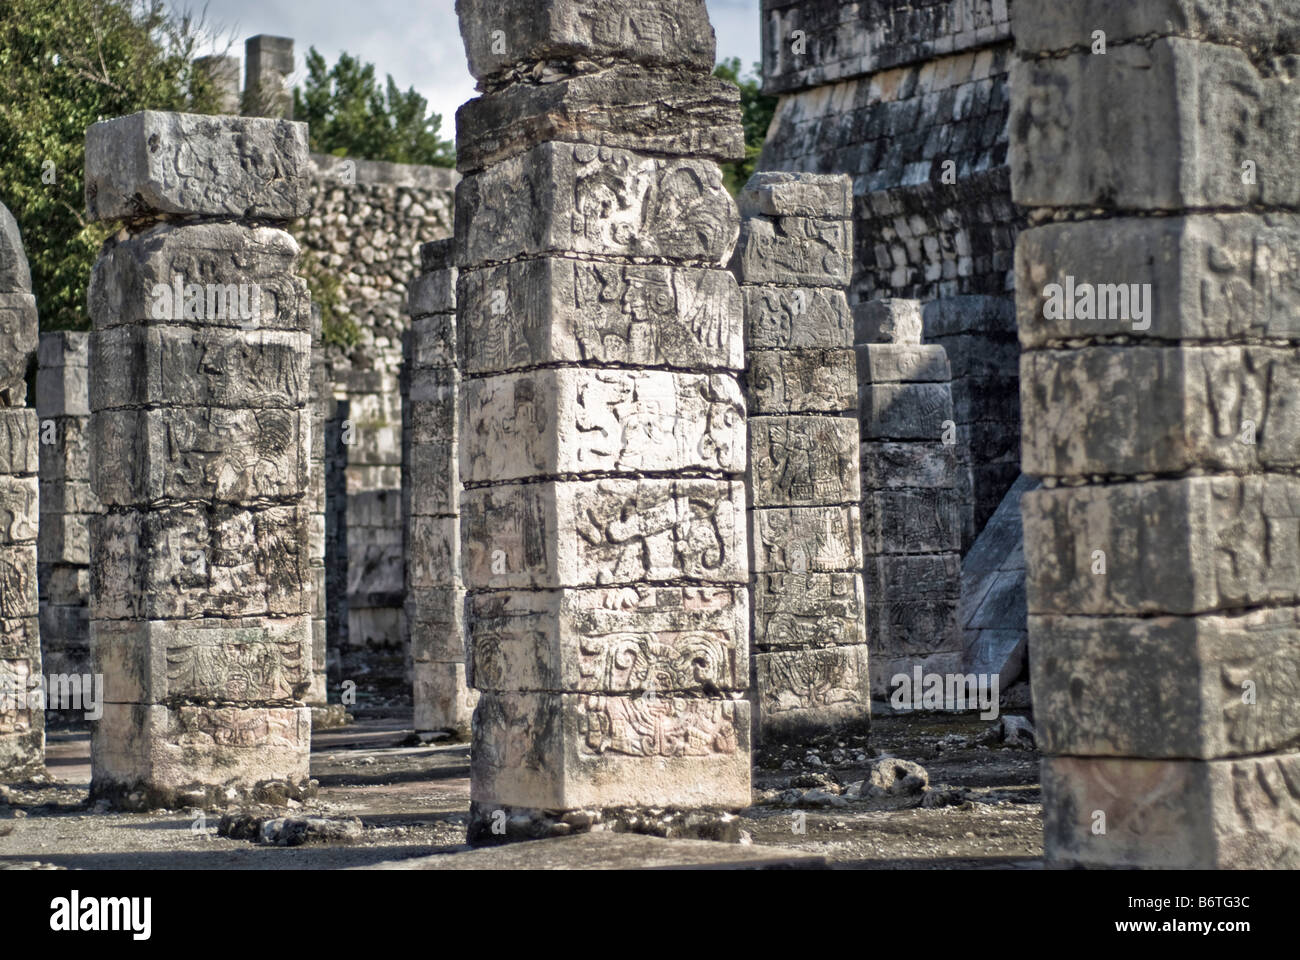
(290, 831)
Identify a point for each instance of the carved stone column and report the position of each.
(603, 428)
(201, 583)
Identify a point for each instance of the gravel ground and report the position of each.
(859, 804)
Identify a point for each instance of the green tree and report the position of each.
(64, 64)
(351, 116)
(756, 111)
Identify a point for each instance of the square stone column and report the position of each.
(911, 493)
(200, 359)
(1159, 320)
(67, 500)
(809, 615)
(602, 431)
(22, 717)
(435, 596)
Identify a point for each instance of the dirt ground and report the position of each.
(385, 801)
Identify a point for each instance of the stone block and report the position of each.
(888, 321)
(571, 421)
(589, 751)
(621, 107)
(19, 341)
(603, 532)
(915, 629)
(555, 310)
(889, 464)
(18, 598)
(926, 577)
(629, 642)
(797, 318)
(433, 292)
(1173, 814)
(902, 363)
(62, 391)
(907, 411)
(807, 539)
(262, 661)
(1207, 687)
(430, 407)
(174, 748)
(19, 637)
(771, 193)
(803, 461)
(67, 496)
(65, 538)
(433, 341)
(152, 163)
(434, 489)
(15, 275)
(806, 692)
(431, 552)
(435, 618)
(910, 520)
(1194, 114)
(1127, 410)
(441, 698)
(200, 561)
(799, 251)
(135, 280)
(19, 441)
(661, 33)
(1221, 276)
(200, 453)
(1254, 24)
(571, 198)
(810, 381)
(798, 611)
(19, 509)
(184, 366)
(1186, 546)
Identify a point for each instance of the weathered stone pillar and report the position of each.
(268, 63)
(793, 262)
(324, 715)
(435, 595)
(201, 584)
(911, 528)
(22, 719)
(1160, 323)
(67, 502)
(223, 73)
(603, 433)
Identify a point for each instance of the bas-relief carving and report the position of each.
(656, 726)
(580, 198)
(235, 669)
(17, 583)
(234, 727)
(602, 312)
(18, 511)
(808, 610)
(804, 460)
(808, 679)
(15, 677)
(607, 420)
(237, 454)
(797, 540)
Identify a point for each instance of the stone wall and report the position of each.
(910, 97)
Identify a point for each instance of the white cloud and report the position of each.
(417, 42)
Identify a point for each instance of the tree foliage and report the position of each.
(64, 64)
(350, 115)
(756, 110)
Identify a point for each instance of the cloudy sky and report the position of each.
(417, 41)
